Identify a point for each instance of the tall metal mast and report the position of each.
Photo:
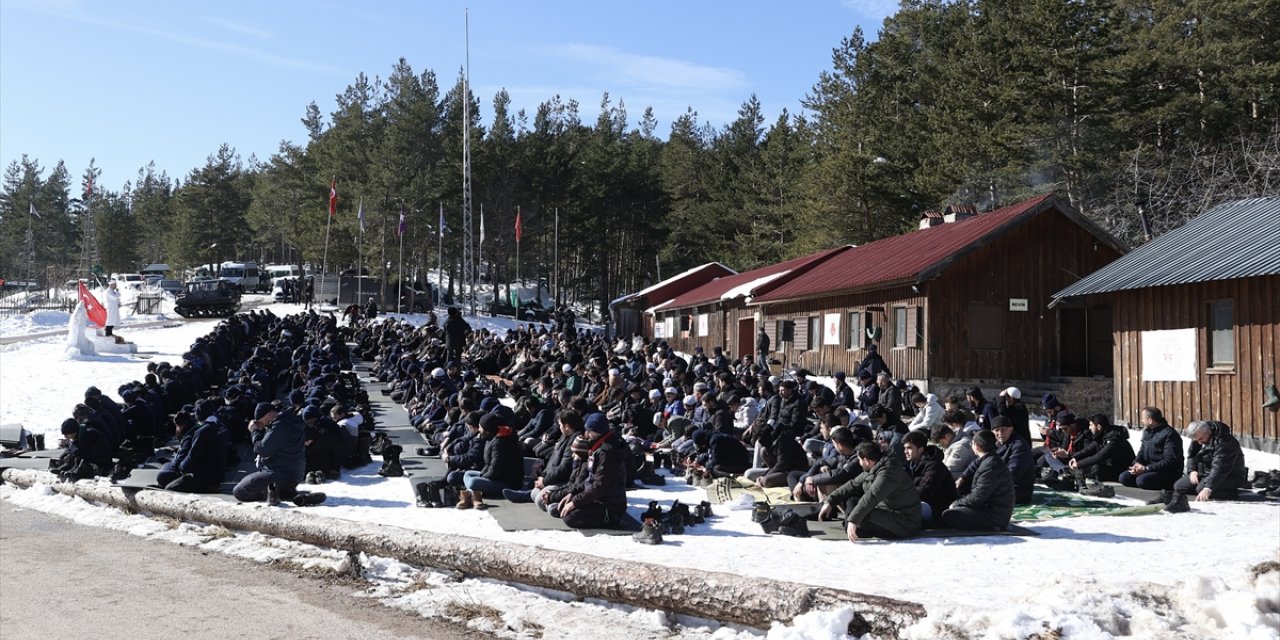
(468, 260)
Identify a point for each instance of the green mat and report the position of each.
(1051, 505)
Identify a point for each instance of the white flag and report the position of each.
(33, 212)
(360, 214)
(482, 226)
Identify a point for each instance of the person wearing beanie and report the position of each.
(87, 449)
(322, 441)
(986, 503)
(200, 463)
(1016, 453)
(553, 483)
(597, 495)
(277, 437)
(844, 395)
(503, 459)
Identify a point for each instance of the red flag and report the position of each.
(517, 225)
(88, 190)
(333, 197)
(97, 314)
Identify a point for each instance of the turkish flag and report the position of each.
(518, 229)
(97, 314)
(333, 197)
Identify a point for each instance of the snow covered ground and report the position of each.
(1167, 576)
(44, 321)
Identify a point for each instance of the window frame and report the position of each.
(1211, 334)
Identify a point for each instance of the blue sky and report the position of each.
(131, 81)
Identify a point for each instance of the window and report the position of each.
(815, 332)
(899, 326)
(907, 331)
(1222, 335)
(685, 321)
(856, 338)
(986, 326)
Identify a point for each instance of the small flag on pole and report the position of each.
(441, 222)
(482, 226)
(333, 197)
(33, 210)
(360, 214)
(88, 189)
(401, 227)
(518, 225)
(93, 309)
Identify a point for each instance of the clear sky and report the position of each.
(131, 81)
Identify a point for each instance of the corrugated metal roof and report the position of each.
(679, 283)
(911, 256)
(713, 291)
(1238, 239)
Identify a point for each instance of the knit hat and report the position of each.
(580, 446)
(310, 413)
(597, 423)
(491, 422)
(262, 409)
(1050, 401)
(1064, 419)
(70, 426)
(654, 394)
(297, 397)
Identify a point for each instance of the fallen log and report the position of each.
(756, 602)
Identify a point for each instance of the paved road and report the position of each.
(62, 580)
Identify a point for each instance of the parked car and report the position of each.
(170, 286)
(131, 280)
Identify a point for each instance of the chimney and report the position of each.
(958, 212)
(930, 219)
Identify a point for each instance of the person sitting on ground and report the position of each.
(1215, 463)
(1010, 405)
(1106, 455)
(928, 412)
(1016, 454)
(558, 470)
(887, 427)
(955, 437)
(882, 502)
(598, 497)
(784, 456)
(503, 459)
(200, 464)
(277, 441)
(1159, 461)
(987, 505)
(831, 474)
(87, 449)
(932, 479)
(1071, 435)
(719, 455)
(323, 442)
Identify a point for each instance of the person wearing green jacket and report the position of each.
(881, 502)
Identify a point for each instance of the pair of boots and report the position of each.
(468, 499)
(437, 494)
(650, 532)
(786, 523)
(1173, 501)
(391, 462)
(1092, 488)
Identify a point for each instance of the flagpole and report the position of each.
(480, 255)
(324, 265)
(400, 271)
(359, 258)
(440, 256)
(517, 259)
(31, 247)
(556, 259)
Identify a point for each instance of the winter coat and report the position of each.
(991, 489)
(869, 397)
(933, 480)
(928, 417)
(874, 364)
(788, 456)
(112, 303)
(844, 396)
(455, 332)
(726, 453)
(467, 452)
(886, 486)
(1016, 454)
(845, 469)
(891, 400)
(92, 446)
(791, 417)
(1018, 417)
(722, 420)
(279, 447)
(1161, 449)
(1108, 454)
(504, 458)
(1220, 462)
(559, 467)
(139, 421)
(604, 480)
(206, 459)
(762, 342)
(959, 454)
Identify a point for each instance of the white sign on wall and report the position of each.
(702, 325)
(671, 327)
(831, 329)
(1169, 355)
(1018, 304)
(660, 329)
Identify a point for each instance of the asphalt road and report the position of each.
(62, 580)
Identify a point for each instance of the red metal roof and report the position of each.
(897, 258)
(678, 284)
(714, 290)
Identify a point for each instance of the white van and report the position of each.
(241, 274)
(130, 280)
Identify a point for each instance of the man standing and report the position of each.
(762, 351)
(113, 308)
(456, 331)
(277, 438)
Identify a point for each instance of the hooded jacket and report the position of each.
(886, 486)
(1108, 454)
(504, 458)
(930, 416)
(280, 446)
(933, 480)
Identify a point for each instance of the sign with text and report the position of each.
(831, 329)
(702, 325)
(1018, 304)
(1169, 355)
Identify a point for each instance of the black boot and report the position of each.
(391, 462)
(792, 524)
(654, 512)
(760, 512)
(308, 498)
(704, 510)
(1178, 503)
(426, 495)
(273, 495)
(1164, 497)
(650, 533)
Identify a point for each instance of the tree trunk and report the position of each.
(756, 602)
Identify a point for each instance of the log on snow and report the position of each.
(751, 601)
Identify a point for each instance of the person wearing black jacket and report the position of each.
(933, 480)
(1016, 454)
(844, 395)
(825, 477)
(598, 496)
(720, 418)
(503, 459)
(784, 455)
(988, 504)
(890, 395)
(88, 451)
(1215, 463)
(1159, 461)
(790, 420)
(456, 331)
(1106, 455)
(1010, 406)
(559, 466)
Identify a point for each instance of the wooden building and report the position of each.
(1196, 321)
(628, 312)
(715, 314)
(962, 301)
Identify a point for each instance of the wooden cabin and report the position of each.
(629, 312)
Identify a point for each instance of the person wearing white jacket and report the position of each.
(954, 437)
(113, 308)
(928, 412)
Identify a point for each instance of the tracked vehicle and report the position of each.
(208, 299)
